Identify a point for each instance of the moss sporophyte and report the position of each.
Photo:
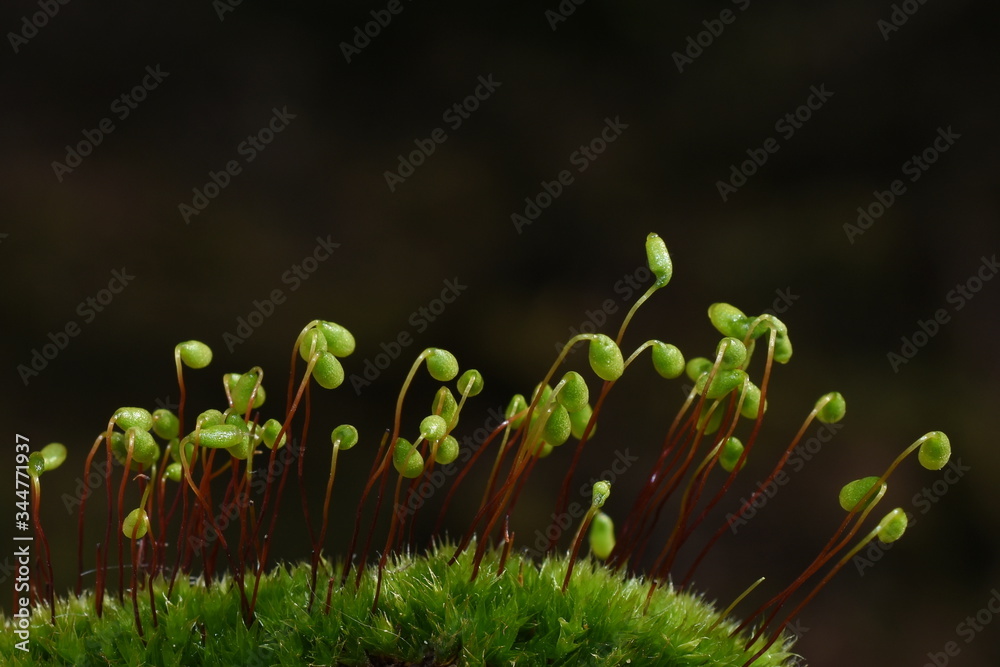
(191, 506)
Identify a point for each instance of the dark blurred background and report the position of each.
(683, 114)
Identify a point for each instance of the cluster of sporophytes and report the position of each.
(190, 556)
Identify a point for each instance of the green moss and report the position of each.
(429, 613)
(419, 609)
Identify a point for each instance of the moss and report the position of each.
(450, 606)
(429, 613)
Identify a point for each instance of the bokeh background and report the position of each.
(779, 241)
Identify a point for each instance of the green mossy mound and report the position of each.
(429, 613)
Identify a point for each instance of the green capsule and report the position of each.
(447, 450)
(175, 449)
(441, 364)
(236, 419)
(558, 427)
(751, 401)
(339, 340)
(230, 380)
(433, 428)
(659, 259)
(578, 422)
(406, 459)
(892, 526)
(195, 354)
(245, 388)
(127, 418)
(782, 349)
(710, 424)
(210, 417)
(600, 494)
(242, 450)
(518, 404)
(772, 322)
(543, 393)
(696, 367)
(165, 424)
(54, 454)
(173, 472)
(471, 383)
(832, 407)
(144, 447)
(313, 342)
(606, 358)
(328, 371)
(269, 433)
(935, 451)
(733, 351)
(118, 445)
(852, 493)
(602, 535)
(723, 382)
(220, 436)
(36, 464)
(346, 434)
(731, 452)
(729, 320)
(136, 524)
(765, 324)
(574, 394)
(444, 404)
(667, 360)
